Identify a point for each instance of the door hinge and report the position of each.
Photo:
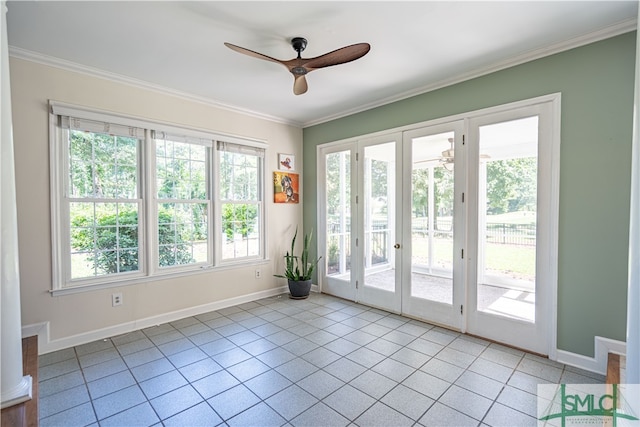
(462, 139)
(462, 197)
(462, 253)
(356, 284)
(357, 154)
(356, 242)
(461, 309)
(356, 200)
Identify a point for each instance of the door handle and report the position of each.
(397, 246)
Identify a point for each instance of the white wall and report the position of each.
(81, 316)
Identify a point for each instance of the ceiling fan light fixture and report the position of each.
(448, 153)
(299, 71)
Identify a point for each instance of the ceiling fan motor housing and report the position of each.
(299, 44)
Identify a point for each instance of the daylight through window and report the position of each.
(130, 201)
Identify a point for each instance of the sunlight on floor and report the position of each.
(498, 300)
(514, 304)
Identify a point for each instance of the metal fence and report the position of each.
(511, 234)
(497, 232)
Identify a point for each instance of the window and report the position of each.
(102, 198)
(133, 199)
(240, 200)
(182, 202)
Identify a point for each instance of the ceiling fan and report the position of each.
(300, 67)
(447, 157)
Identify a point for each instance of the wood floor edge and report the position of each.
(613, 368)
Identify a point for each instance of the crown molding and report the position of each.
(602, 34)
(63, 64)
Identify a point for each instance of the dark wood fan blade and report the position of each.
(338, 56)
(253, 54)
(299, 84)
(301, 66)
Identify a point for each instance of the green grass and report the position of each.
(516, 261)
(511, 260)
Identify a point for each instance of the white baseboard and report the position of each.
(47, 345)
(598, 363)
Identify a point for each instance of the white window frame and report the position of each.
(149, 268)
(259, 202)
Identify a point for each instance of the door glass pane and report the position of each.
(507, 190)
(338, 214)
(432, 218)
(379, 215)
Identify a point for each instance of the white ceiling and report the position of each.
(415, 46)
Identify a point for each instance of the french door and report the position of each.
(453, 223)
(337, 218)
(512, 225)
(379, 206)
(361, 217)
(433, 269)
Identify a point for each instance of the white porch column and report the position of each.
(15, 388)
(633, 295)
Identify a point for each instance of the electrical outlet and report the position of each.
(116, 299)
(258, 273)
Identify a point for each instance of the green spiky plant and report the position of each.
(299, 268)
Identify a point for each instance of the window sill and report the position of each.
(159, 276)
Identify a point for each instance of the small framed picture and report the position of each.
(286, 162)
(286, 187)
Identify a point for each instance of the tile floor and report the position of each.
(316, 362)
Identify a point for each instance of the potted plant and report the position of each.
(298, 269)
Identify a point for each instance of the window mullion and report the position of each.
(150, 203)
(261, 207)
(215, 220)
